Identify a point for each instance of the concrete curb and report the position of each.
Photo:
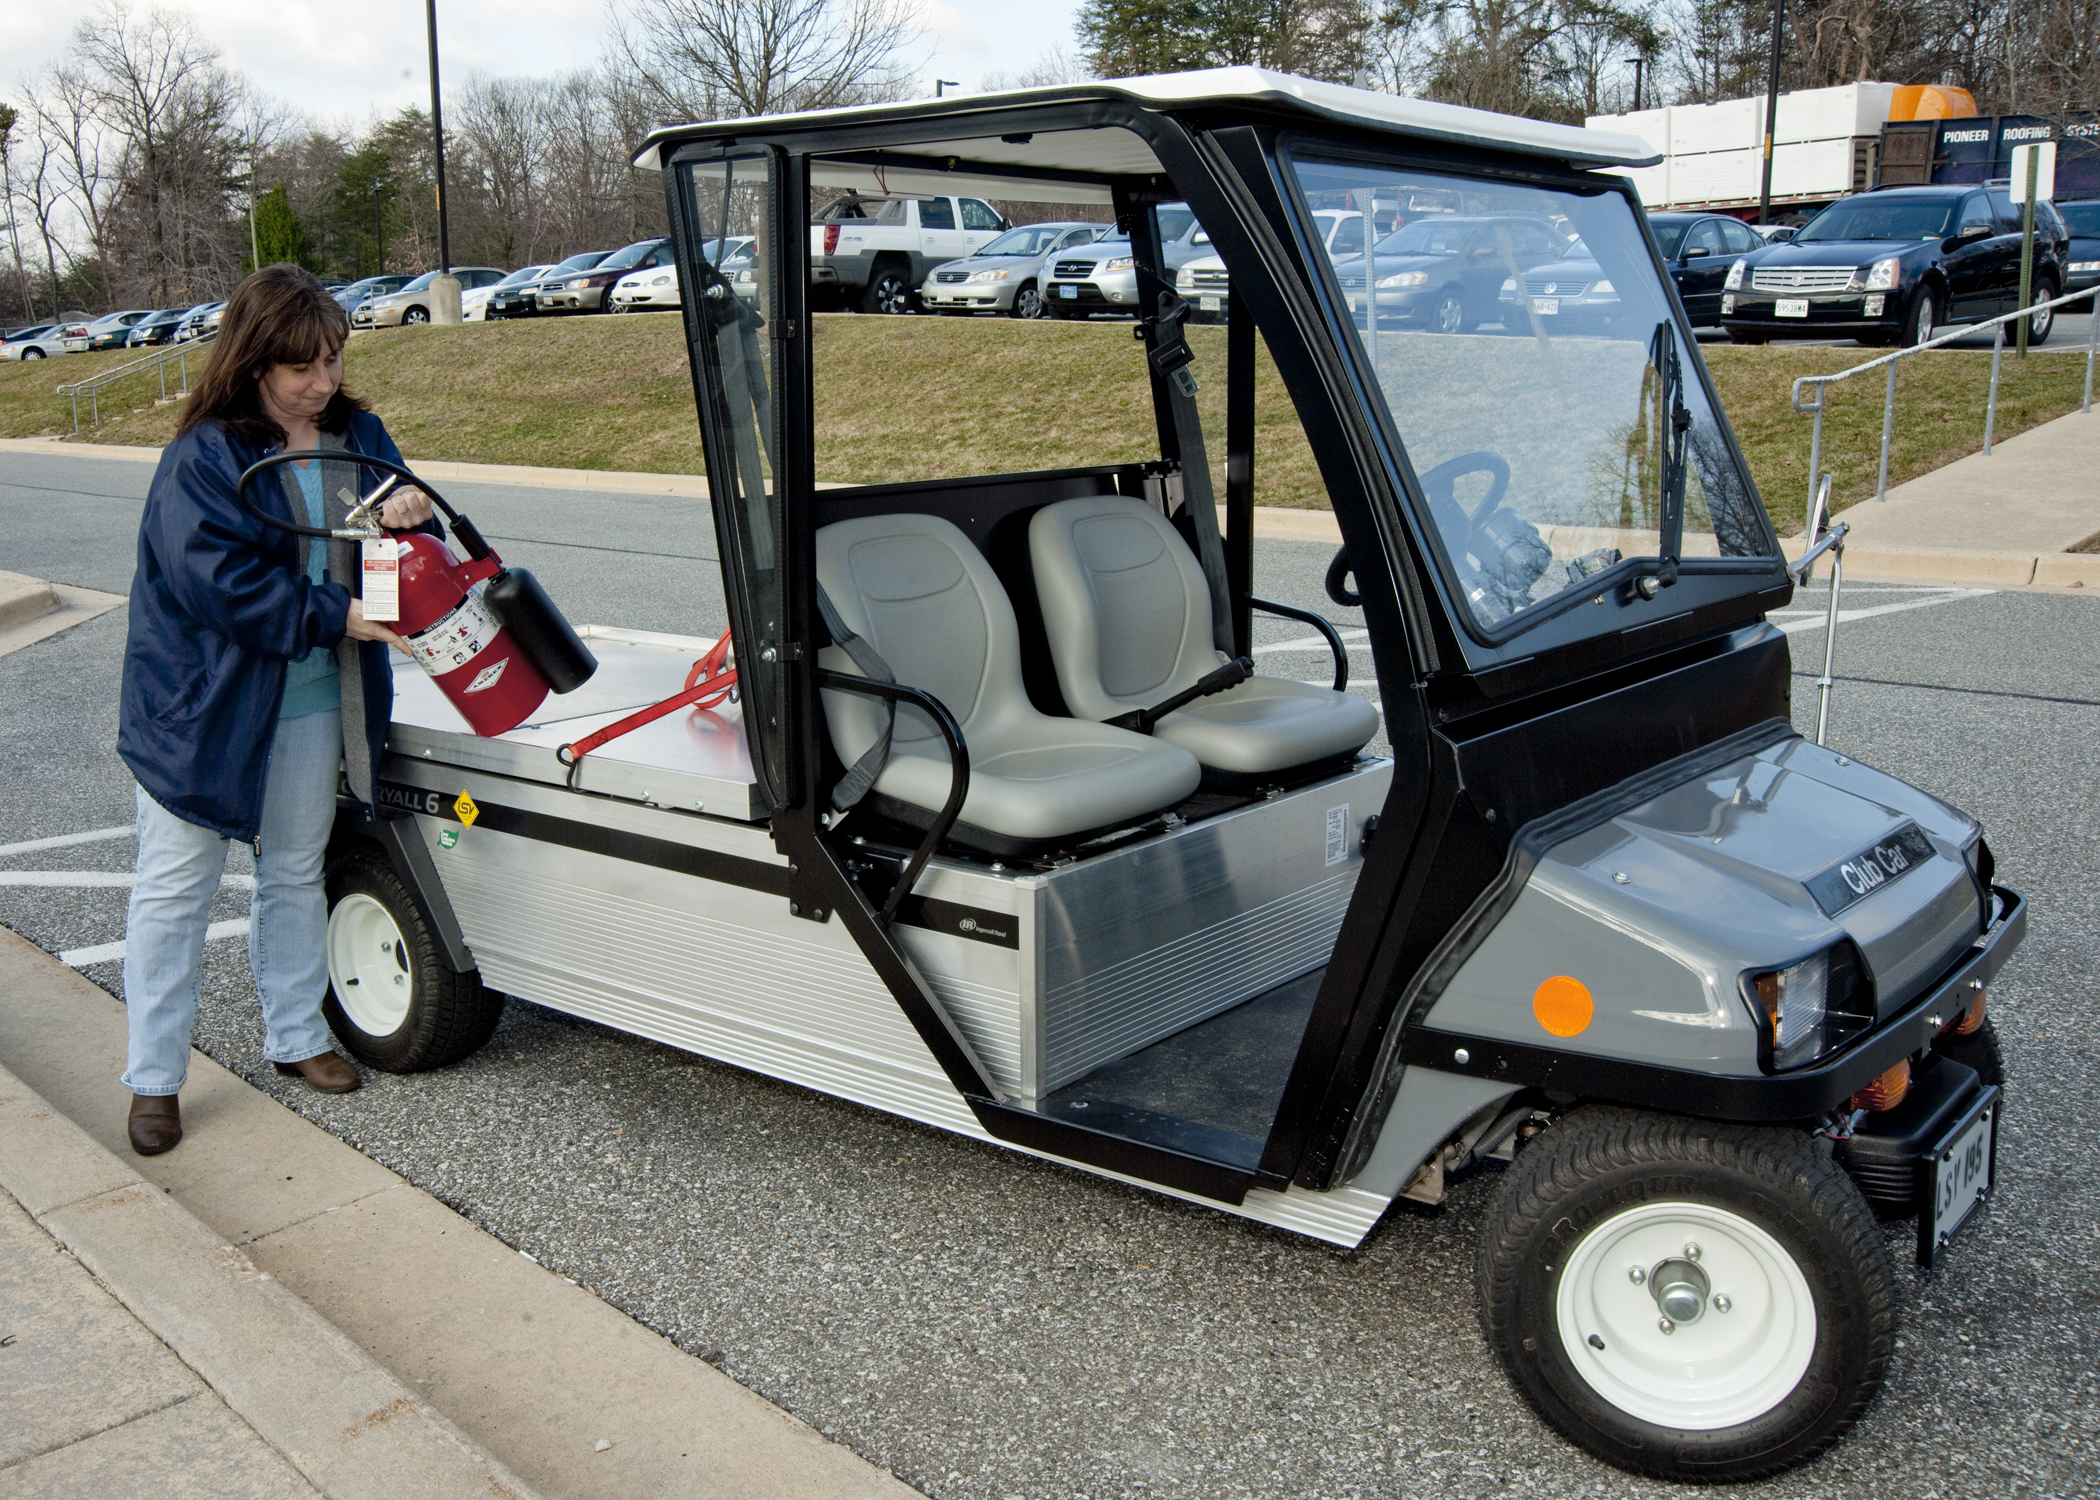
(23, 599)
(1957, 566)
(336, 1415)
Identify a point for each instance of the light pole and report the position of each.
(1764, 197)
(1639, 61)
(941, 84)
(444, 289)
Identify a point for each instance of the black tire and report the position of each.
(1559, 1215)
(1028, 302)
(888, 290)
(1745, 336)
(1978, 1050)
(2041, 324)
(415, 315)
(446, 1016)
(1448, 313)
(1921, 322)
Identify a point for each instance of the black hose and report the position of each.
(462, 528)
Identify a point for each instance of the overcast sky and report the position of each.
(345, 62)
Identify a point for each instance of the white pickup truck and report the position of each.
(874, 251)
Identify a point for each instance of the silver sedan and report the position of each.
(1006, 276)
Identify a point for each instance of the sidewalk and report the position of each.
(265, 1310)
(2008, 521)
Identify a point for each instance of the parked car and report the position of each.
(1097, 277)
(412, 303)
(40, 341)
(1445, 271)
(871, 252)
(1181, 237)
(155, 328)
(1005, 275)
(2082, 259)
(372, 286)
(106, 332)
(653, 290)
(474, 304)
(1775, 234)
(588, 291)
(518, 301)
(199, 321)
(1207, 284)
(1573, 292)
(1895, 266)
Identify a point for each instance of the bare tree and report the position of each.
(706, 59)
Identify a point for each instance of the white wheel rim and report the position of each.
(1925, 318)
(368, 965)
(1718, 1370)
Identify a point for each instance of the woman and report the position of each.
(246, 663)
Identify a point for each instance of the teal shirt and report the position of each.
(311, 685)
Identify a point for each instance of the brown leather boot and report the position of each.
(156, 1123)
(326, 1071)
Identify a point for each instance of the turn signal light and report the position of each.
(1885, 1092)
(1972, 1019)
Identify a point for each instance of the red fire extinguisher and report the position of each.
(487, 635)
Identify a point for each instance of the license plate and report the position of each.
(1790, 307)
(1958, 1175)
(1069, 293)
(1207, 304)
(1547, 305)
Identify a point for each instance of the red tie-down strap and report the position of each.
(711, 680)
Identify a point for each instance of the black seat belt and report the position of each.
(1171, 357)
(855, 783)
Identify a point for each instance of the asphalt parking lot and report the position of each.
(987, 1325)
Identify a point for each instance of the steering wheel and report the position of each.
(1441, 484)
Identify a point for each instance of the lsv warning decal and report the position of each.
(487, 676)
(463, 634)
(467, 810)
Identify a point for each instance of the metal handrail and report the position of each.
(1888, 410)
(93, 386)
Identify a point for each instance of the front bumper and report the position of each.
(1799, 1095)
(1847, 314)
(586, 299)
(1090, 297)
(982, 296)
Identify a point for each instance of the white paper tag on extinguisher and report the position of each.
(382, 567)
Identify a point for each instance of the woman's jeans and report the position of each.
(179, 869)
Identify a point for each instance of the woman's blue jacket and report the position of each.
(219, 607)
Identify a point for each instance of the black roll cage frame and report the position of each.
(1438, 848)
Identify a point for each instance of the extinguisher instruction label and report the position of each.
(382, 578)
(455, 640)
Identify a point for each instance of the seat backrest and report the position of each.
(1124, 603)
(916, 589)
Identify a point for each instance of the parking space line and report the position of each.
(65, 840)
(1353, 639)
(93, 879)
(80, 958)
(1792, 621)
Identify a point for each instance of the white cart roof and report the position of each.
(1109, 151)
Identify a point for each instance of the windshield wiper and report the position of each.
(1676, 423)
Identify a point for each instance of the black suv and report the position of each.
(1896, 265)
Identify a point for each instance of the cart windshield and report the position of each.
(1525, 350)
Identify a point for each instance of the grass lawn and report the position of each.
(907, 398)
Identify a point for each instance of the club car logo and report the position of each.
(1876, 867)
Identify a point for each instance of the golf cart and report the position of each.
(1003, 833)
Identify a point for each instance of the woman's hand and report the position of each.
(358, 628)
(404, 510)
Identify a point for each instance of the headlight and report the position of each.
(745, 275)
(2081, 267)
(1878, 277)
(989, 275)
(1734, 283)
(1812, 1007)
(579, 283)
(1509, 286)
(1404, 278)
(661, 281)
(1121, 263)
(1604, 289)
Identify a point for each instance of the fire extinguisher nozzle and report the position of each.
(549, 642)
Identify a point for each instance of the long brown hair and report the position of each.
(281, 315)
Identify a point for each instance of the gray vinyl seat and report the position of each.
(917, 590)
(1127, 611)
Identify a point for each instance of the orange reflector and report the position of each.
(1972, 1020)
(1885, 1092)
(1563, 1005)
